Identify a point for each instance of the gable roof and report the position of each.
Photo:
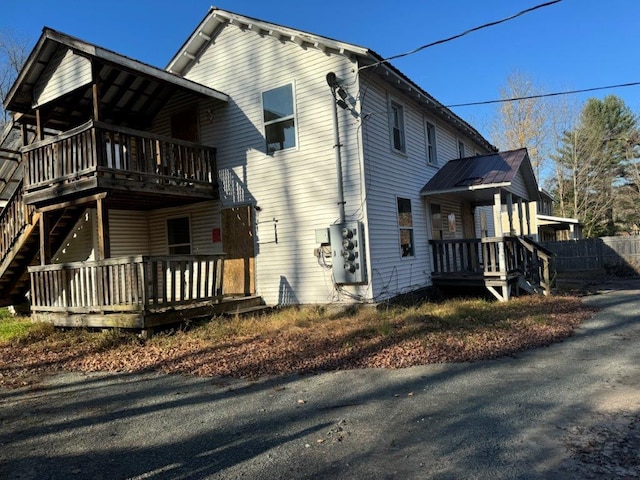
(476, 178)
(140, 88)
(216, 18)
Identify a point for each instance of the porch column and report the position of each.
(528, 215)
(497, 213)
(104, 246)
(520, 219)
(95, 92)
(510, 211)
(39, 126)
(45, 245)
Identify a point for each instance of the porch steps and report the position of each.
(244, 306)
(14, 277)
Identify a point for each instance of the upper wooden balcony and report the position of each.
(134, 167)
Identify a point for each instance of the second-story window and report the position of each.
(397, 127)
(460, 149)
(431, 144)
(279, 118)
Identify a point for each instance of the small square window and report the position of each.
(405, 226)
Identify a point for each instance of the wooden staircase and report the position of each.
(20, 243)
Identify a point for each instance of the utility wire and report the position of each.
(466, 32)
(541, 95)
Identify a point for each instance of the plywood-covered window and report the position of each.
(179, 236)
(436, 221)
(405, 227)
(278, 108)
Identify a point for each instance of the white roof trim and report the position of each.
(550, 220)
(204, 33)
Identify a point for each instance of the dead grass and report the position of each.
(301, 340)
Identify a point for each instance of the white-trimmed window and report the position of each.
(461, 153)
(405, 227)
(279, 117)
(179, 236)
(396, 121)
(432, 157)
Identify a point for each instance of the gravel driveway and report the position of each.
(567, 411)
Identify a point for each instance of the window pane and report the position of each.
(178, 231)
(278, 103)
(406, 242)
(397, 124)
(405, 218)
(431, 143)
(280, 135)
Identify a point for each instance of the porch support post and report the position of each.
(502, 261)
(510, 211)
(497, 213)
(528, 216)
(39, 126)
(520, 219)
(95, 93)
(104, 247)
(45, 245)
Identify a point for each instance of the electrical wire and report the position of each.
(541, 95)
(454, 37)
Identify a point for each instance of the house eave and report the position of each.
(204, 33)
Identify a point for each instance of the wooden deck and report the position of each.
(127, 292)
(497, 263)
(98, 157)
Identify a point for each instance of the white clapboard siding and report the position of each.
(203, 217)
(518, 186)
(295, 189)
(66, 72)
(128, 233)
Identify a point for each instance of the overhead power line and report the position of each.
(541, 95)
(466, 32)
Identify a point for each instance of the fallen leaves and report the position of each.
(316, 347)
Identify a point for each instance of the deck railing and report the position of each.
(140, 283)
(492, 257)
(130, 154)
(14, 218)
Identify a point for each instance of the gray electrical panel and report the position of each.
(347, 252)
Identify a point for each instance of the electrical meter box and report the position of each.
(347, 252)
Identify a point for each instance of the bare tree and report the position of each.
(13, 53)
(522, 123)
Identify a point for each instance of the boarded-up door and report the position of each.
(184, 125)
(237, 243)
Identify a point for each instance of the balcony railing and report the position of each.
(97, 148)
(127, 284)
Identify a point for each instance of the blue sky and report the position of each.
(574, 44)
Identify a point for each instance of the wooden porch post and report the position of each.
(45, 245)
(528, 215)
(510, 211)
(104, 246)
(502, 261)
(39, 126)
(520, 219)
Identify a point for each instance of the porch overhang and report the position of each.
(131, 92)
(557, 223)
(478, 179)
